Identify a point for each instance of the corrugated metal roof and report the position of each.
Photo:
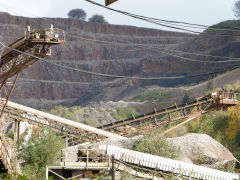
(167, 165)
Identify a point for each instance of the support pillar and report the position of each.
(16, 130)
(113, 167)
(66, 140)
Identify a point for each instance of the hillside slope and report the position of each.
(44, 85)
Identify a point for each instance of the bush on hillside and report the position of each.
(42, 149)
(186, 99)
(233, 122)
(98, 19)
(213, 123)
(222, 126)
(151, 96)
(123, 113)
(155, 144)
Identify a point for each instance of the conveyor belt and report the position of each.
(33, 116)
(156, 117)
(166, 165)
(13, 62)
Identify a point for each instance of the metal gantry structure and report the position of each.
(36, 42)
(76, 132)
(172, 114)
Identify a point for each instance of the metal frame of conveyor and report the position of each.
(36, 42)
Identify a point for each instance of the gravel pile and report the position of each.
(124, 143)
(201, 149)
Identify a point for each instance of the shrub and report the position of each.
(202, 159)
(151, 96)
(42, 149)
(221, 126)
(229, 167)
(156, 145)
(123, 113)
(186, 99)
(98, 19)
(233, 122)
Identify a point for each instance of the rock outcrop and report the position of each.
(45, 85)
(202, 149)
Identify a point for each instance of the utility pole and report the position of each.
(113, 167)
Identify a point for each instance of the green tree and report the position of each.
(98, 19)
(77, 14)
(236, 9)
(210, 85)
(238, 138)
(42, 149)
(186, 99)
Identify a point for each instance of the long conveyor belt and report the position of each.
(33, 116)
(158, 117)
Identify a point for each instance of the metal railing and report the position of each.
(48, 35)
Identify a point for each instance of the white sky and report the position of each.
(207, 12)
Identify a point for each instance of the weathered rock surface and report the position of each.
(124, 143)
(202, 149)
(45, 85)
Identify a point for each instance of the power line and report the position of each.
(112, 75)
(155, 21)
(168, 53)
(7, 7)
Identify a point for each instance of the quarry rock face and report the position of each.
(109, 49)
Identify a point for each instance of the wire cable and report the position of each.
(151, 20)
(154, 47)
(116, 76)
(168, 53)
(198, 54)
(192, 25)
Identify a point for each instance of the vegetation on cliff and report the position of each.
(151, 95)
(93, 116)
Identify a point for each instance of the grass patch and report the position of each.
(123, 113)
(202, 159)
(151, 96)
(93, 116)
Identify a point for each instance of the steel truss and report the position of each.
(38, 43)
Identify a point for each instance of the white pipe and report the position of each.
(64, 121)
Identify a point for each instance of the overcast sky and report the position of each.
(207, 12)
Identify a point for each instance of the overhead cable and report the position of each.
(154, 48)
(113, 75)
(153, 20)
(168, 53)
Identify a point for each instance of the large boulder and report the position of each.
(204, 150)
(124, 143)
